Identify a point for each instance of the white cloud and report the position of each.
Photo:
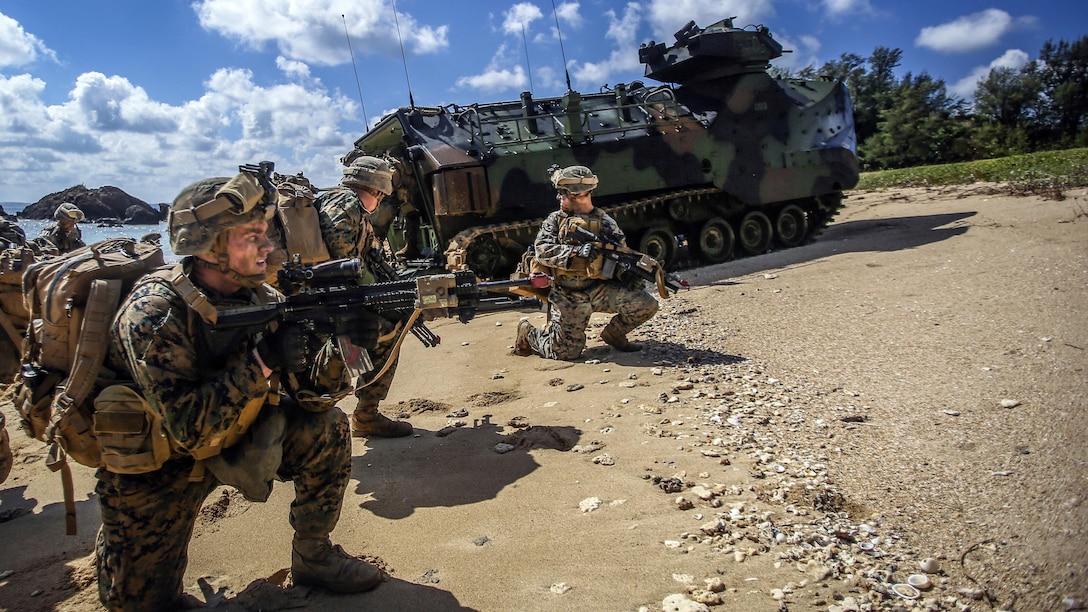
(621, 30)
(837, 8)
(313, 31)
(803, 52)
(519, 17)
(970, 32)
(17, 48)
(965, 87)
(502, 74)
(668, 16)
(109, 132)
(568, 12)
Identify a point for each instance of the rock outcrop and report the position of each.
(105, 202)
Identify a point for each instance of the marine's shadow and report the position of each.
(464, 466)
(37, 551)
(893, 234)
(655, 352)
(393, 595)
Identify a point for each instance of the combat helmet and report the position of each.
(575, 179)
(211, 206)
(372, 172)
(69, 212)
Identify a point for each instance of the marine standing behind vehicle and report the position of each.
(344, 214)
(240, 411)
(579, 289)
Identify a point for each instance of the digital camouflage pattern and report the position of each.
(54, 240)
(720, 152)
(199, 390)
(347, 230)
(575, 297)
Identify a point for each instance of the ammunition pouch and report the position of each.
(129, 432)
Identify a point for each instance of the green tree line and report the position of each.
(912, 121)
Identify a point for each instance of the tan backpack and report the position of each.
(296, 229)
(71, 300)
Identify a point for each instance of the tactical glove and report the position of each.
(288, 349)
(587, 251)
(243, 191)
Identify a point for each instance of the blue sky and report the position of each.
(150, 95)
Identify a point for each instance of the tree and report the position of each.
(921, 125)
(1008, 96)
(1065, 84)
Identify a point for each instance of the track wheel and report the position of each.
(485, 257)
(715, 241)
(791, 226)
(755, 233)
(660, 243)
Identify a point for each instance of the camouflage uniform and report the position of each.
(61, 239)
(199, 390)
(53, 237)
(575, 297)
(347, 230)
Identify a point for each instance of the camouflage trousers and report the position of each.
(379, 356)
(148, 519)
(565, 335)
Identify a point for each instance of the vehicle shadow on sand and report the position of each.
(892, 234)
(451, 467)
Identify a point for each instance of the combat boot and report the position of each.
(316, 562)
(366, 421)
(619, 341)
(521, 344)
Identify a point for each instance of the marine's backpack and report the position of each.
(71, 300)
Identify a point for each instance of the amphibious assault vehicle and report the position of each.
(721, 158)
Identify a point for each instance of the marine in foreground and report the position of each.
(244, 412)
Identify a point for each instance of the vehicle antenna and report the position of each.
(561, 49)
(366, 122)
(411, 101)
(528, 68)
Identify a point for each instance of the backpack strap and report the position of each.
(91, 349)
(92, 345)
(194, 298)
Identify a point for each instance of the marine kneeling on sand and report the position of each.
(240, 412)
(579, 289)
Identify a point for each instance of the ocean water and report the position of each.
(92, 233)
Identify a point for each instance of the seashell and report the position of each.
(930, 565)
(865, 546)
(919, 581)
(906, 591)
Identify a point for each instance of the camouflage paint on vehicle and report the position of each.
(728, 161)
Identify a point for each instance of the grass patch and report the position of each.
(1047, 173)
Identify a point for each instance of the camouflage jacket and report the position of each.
(346, 226)
(197, 388)
(64, 242)
(553, 252)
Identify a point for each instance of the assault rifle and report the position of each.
(620, 260)
(325, 297)
(384, 272)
